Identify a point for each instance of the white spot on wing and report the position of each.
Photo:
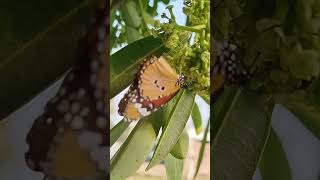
(77, 123)
(137, 105)
(101, 122)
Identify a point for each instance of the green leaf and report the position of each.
(133, 35)
(240, 142)
(274, 164)
(169, 108)
(174, 167)
(165, 1)
(137, 146)
(290, 19)
(124, 63)
(281, 11)
(222, 107)
(201, 152)
(117, 131)
(180, 150)
(196, 118)
(266, 23)
(129, 8)
(261, 9)
(221, 27)
(234, 8)
(174, 127)
(206, 98)
(152, 11)
(33, 57)
(303, 64)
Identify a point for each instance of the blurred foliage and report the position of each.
(241, 137)
(48, 41)
(130, 20)
(279, 40)
(279, 45)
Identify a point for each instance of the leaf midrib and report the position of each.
(174, 109)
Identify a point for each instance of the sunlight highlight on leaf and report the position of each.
(117, 131)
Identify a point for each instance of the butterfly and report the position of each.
(227, 67)
(155, 84)
(69, 140)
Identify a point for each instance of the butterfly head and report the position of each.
(181, 81)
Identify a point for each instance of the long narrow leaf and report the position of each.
(201, 152)
(174, 127)
(196, 118)
(240, 141)
(137, 146)
(130, 13)
(180, 149)
(174, 167)
(132, 20)
(274, 164)
(117, 131)
(169, 108)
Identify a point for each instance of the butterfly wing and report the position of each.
(155, 85)
(127, 104)
(69, 139)
(158, 79)
(218, 79)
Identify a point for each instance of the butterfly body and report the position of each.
(155, 84)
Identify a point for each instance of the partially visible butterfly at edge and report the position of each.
(69, 140)
(226, 68)
(155, 84)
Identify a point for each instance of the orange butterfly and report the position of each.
(70, 141)
(155, 84)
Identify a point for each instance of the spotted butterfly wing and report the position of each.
(69, 140)
(155, 84)
(227, 67)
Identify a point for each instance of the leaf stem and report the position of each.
(170, 8)
(202, 36)
(196, 29)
